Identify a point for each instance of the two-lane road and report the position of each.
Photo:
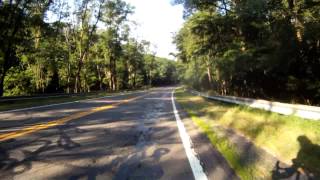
(133, 136)
(123, 137)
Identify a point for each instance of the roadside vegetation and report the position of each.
(33, 102)
(267, 49)
(290, 139)
(48, 47)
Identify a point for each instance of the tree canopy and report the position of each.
(48, 46)
(253, 48)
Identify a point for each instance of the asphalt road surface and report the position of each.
(132, 136)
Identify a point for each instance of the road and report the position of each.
(131, 136)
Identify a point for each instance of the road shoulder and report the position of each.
(213, 163)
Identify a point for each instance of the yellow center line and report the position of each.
(53, 123)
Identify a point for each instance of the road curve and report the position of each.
(123, 137)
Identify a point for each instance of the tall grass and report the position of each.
(277, 134)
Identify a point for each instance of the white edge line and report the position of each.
(50, 105)
(194, 162)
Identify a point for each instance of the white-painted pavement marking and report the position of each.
(196, 167)
(50, 105)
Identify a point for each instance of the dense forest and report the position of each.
(252, 48)
(49, 46)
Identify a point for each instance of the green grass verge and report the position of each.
(278, 134)
(17, 104)
(228, 150)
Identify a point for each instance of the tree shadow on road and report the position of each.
(21, 161)
(66, 142)
(5, 159)
(14, 160)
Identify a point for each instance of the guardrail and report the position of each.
(303, 111)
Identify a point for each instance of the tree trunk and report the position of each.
(78, 82)
(150, 78)
(100, 77)
(209, 75)
(76, 85)
(209, 72)
(125, 75)
(134, 79)
(150, 71)
(113, 74)
(297, 24)
(114, 82)
(108, 77)
(42, 79)
(68, 78)
(78, 78)
(5, 68)
(2, 84)
(115, 77)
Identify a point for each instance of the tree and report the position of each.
(253, 48)
(87, 12)
(16, 20)
(51, 48)
(114, 19)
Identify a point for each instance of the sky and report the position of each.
(157, 20)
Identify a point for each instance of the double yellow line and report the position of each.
(53, 123)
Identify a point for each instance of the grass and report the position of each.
(227, 150)
(17, 104)
(277, 134)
